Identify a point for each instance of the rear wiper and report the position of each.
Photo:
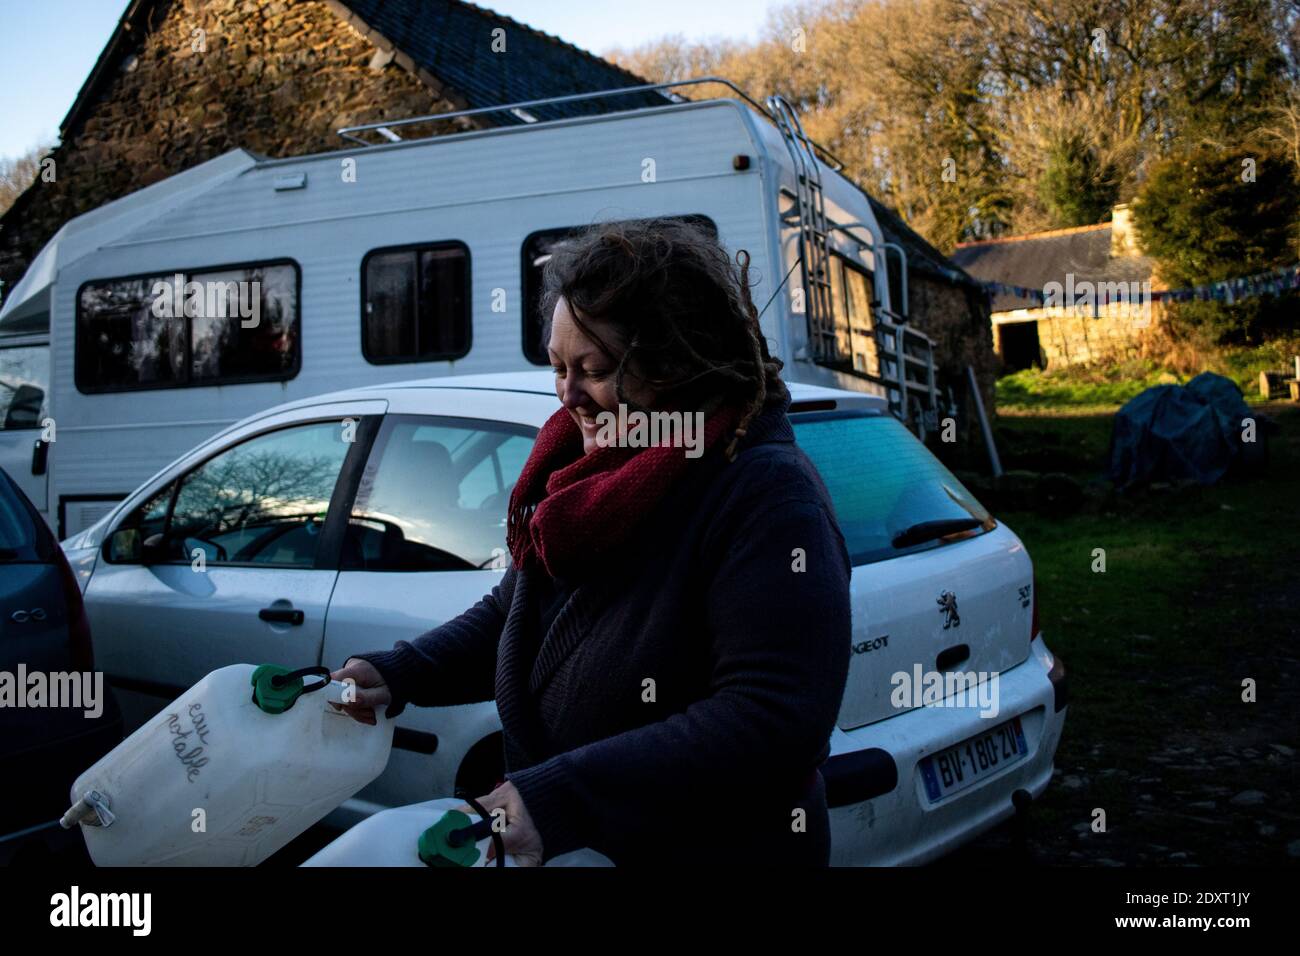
(929, 530)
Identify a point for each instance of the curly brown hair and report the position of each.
(679, 309)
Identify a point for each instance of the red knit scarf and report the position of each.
(568, 510)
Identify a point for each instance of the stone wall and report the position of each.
(1118, 332)
(277, 78)
(957, 319)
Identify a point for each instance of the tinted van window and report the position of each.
(537, 250)
(416, 303)
(188, 329)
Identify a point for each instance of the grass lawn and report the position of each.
(1099, 389)
(1200, 591)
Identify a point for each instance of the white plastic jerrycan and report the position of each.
(229, 772)
(423, 834)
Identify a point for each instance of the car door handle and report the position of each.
(281, 615)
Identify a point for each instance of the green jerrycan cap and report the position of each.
(436, 851)
(276, 688)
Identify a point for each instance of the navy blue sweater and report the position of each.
(683, 696)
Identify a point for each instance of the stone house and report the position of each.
(1067, 296)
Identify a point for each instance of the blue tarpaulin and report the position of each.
(1177, 432)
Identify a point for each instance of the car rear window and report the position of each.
(883, 482)
(20, 542)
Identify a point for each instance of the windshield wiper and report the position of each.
(929, 530)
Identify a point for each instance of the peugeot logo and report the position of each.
(22, 617)
(871, 644)
(947, 602)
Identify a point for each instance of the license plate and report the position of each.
(973, 760)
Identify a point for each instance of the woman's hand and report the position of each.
(371, 690)
(521, 839)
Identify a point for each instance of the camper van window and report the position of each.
(415, 303)
(858, 295)
(24, 381)
(257, 346)
(839, 310)
(851, 296)
(536, 253)
(189, 328)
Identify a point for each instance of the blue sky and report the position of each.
(47, 48)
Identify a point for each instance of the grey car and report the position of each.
(45, 650)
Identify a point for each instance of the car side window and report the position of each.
(262, 502)
(146, 523)
(24, 383)
(433, 495)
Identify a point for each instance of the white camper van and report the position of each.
(246, 282)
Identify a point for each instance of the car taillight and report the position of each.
(1033, 621)
(83, 653)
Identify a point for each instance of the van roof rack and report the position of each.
(519, 110)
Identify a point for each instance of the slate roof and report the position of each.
(921, 256)
(1034, 260)
(452, 40)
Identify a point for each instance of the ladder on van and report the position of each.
(906, 355)
(907, 366)
(814, 252)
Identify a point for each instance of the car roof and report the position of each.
(540, 382)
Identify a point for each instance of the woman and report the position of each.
(670, 643)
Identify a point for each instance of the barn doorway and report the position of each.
(1018, 345)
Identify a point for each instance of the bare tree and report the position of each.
(17, 174)
(1284, 127)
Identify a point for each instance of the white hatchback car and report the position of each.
(340, 524)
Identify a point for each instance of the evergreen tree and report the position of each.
(1076, 186)
(1210, 214)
